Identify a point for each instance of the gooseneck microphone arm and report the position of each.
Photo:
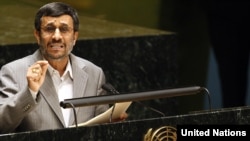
(109, 88)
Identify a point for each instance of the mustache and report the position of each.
(56, 43)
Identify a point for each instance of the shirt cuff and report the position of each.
(33, 93)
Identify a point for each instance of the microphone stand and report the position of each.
(108, 99)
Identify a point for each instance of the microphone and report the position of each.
(109, 88)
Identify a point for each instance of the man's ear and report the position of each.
(37, 36)
(75, 36)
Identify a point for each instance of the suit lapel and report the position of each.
(49, 93)
(79, 85)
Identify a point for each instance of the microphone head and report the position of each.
(108, 87)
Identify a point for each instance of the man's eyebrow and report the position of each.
(49, 24)
(64, 24)
(52, 24)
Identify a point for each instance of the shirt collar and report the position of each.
(67, 70)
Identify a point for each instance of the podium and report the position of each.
(134, 130)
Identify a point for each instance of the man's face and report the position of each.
(56, 37)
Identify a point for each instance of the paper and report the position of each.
(105, 117)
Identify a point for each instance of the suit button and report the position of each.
(26, 108)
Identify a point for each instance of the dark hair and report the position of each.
(56, 9)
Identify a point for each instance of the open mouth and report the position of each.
(56, 46)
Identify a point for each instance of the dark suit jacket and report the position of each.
(20, 112)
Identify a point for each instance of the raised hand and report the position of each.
(36, 75)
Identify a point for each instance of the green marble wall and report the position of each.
(135, 130)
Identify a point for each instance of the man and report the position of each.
(32, 87)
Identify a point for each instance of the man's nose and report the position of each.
(57, 34)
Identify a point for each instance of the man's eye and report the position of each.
(49, 29)
(64, 29)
